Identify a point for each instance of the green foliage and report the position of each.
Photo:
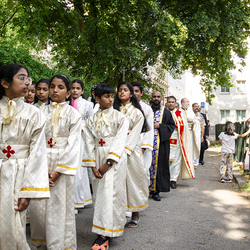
(9, 53)
(96, 39)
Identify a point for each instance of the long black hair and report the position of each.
(133, 100)
(43, 80)
(67, 84)
(6, 73)
(229, 128)
(81, 84)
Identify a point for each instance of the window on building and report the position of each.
(224, 90)
(224, 115)
(240, 115)
(241, 86)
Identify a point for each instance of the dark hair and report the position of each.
(67, 83)
(134, 101)
(93, 87)
(103, 89)
(43, 80)
(80, 82)
(229, 128)
(137, 84)
(92, 96)
(194, 104)
(7, 72)
(169, 97)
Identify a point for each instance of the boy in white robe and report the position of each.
(105, 135)
(82, 188)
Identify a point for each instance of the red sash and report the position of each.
(180, 124)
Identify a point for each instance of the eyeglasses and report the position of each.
(23, 79)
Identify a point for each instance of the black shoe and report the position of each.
(156, 196)
(202, 162)
(173, 184)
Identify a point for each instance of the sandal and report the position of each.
(135, 222)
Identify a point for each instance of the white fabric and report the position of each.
(175, 156)
(137, 181)
(196, 133)
(40, 104)
(109, 192)
(228, 142)
(97, 106)
(82, 189)
(148, 137)
(23, 169)
(52, 221)
(177, 164)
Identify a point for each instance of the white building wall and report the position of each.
(187, 86)
(233, 100)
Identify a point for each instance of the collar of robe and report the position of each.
(41, 104)
(56, 115)
(156, 108)
(10, 110)
(102, 115)
(124, 109)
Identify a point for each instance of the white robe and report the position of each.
(179, 167)
(195, 134)
(40, 104)
(137, 181)
(52, 221)
(105, 135)
(23, 169)
(147, 138)
(82, 189)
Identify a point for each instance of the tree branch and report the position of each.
(8, 20)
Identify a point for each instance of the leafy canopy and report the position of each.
(96, 39)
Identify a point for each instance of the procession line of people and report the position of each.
(58, 146)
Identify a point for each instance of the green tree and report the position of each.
(98, 38)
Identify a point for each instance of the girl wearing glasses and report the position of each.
(23, 167)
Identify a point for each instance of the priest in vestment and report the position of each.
(194, 130)
(164, 126)
(180, 159)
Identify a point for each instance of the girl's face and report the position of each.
(18, 88)
(30, 96)
(124, 93)
(58, 91)
(42, 91)
(76, 90)
(106, 101)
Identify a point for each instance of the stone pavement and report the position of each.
(200, 214)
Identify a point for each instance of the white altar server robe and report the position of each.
(82, 189)
(137, 182)
(23, 168)
(105, 135)
(53, 221)
(147, 138)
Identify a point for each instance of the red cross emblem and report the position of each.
(101, 142)
(8, 152)
(51, 143)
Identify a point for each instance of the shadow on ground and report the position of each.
(200, 214)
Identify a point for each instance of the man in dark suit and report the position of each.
(204, 145)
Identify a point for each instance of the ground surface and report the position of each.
(200, 214)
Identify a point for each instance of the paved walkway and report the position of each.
(200, 214)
